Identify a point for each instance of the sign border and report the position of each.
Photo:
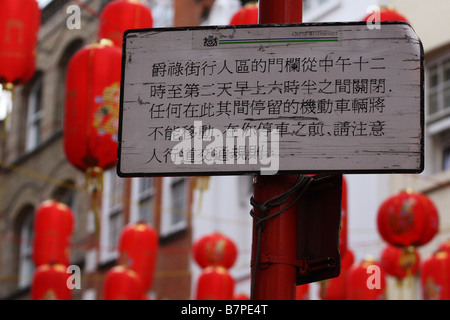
(280, 171)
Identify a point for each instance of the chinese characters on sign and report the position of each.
(268, 99)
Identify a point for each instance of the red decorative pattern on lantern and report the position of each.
(138, 248)
(19, 25)
(92, 106)
(435, 277)
(215, 249)
(215, 283)
(53, 227)
(50, 283)
(407, 219)
(121, 15)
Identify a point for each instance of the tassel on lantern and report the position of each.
(94, 186)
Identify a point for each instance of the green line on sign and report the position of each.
(278, 41)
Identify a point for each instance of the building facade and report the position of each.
(34, 169)
(367, 192)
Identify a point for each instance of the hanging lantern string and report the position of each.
(202, 184)
(299, 187)
(409, 259)
(94, 186)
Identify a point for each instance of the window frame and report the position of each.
(112, 209)
(168, 226)
(26, 265)
(442, 86)
(35, 115)
(142, 197)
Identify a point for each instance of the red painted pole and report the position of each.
(280, 11)
(275, 274)
(276, 244)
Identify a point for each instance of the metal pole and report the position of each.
(276, 11)
(274, 246)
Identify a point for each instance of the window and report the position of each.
(112, 215)
(142, 208)
(175, 205)
(438, 85)
(70, 50)
(446, 159)
(66, 194)
(26, 264)
(34, 116)
(178, 193)
(162, 12)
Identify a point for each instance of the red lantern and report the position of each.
(388, 14)
(121, 15)
(50, 283)
(138, 247)
(92, 106)
(215, 249)
(248, 14)
(336, 288)
(19, 26)
(435, 277)
(366, 281)
(400, 262)
(407, 219)
(302, 292)
(53, 227)
(122, 283)
(215, 283)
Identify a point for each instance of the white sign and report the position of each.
(266, 99)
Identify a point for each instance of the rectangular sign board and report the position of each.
(267, 99)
